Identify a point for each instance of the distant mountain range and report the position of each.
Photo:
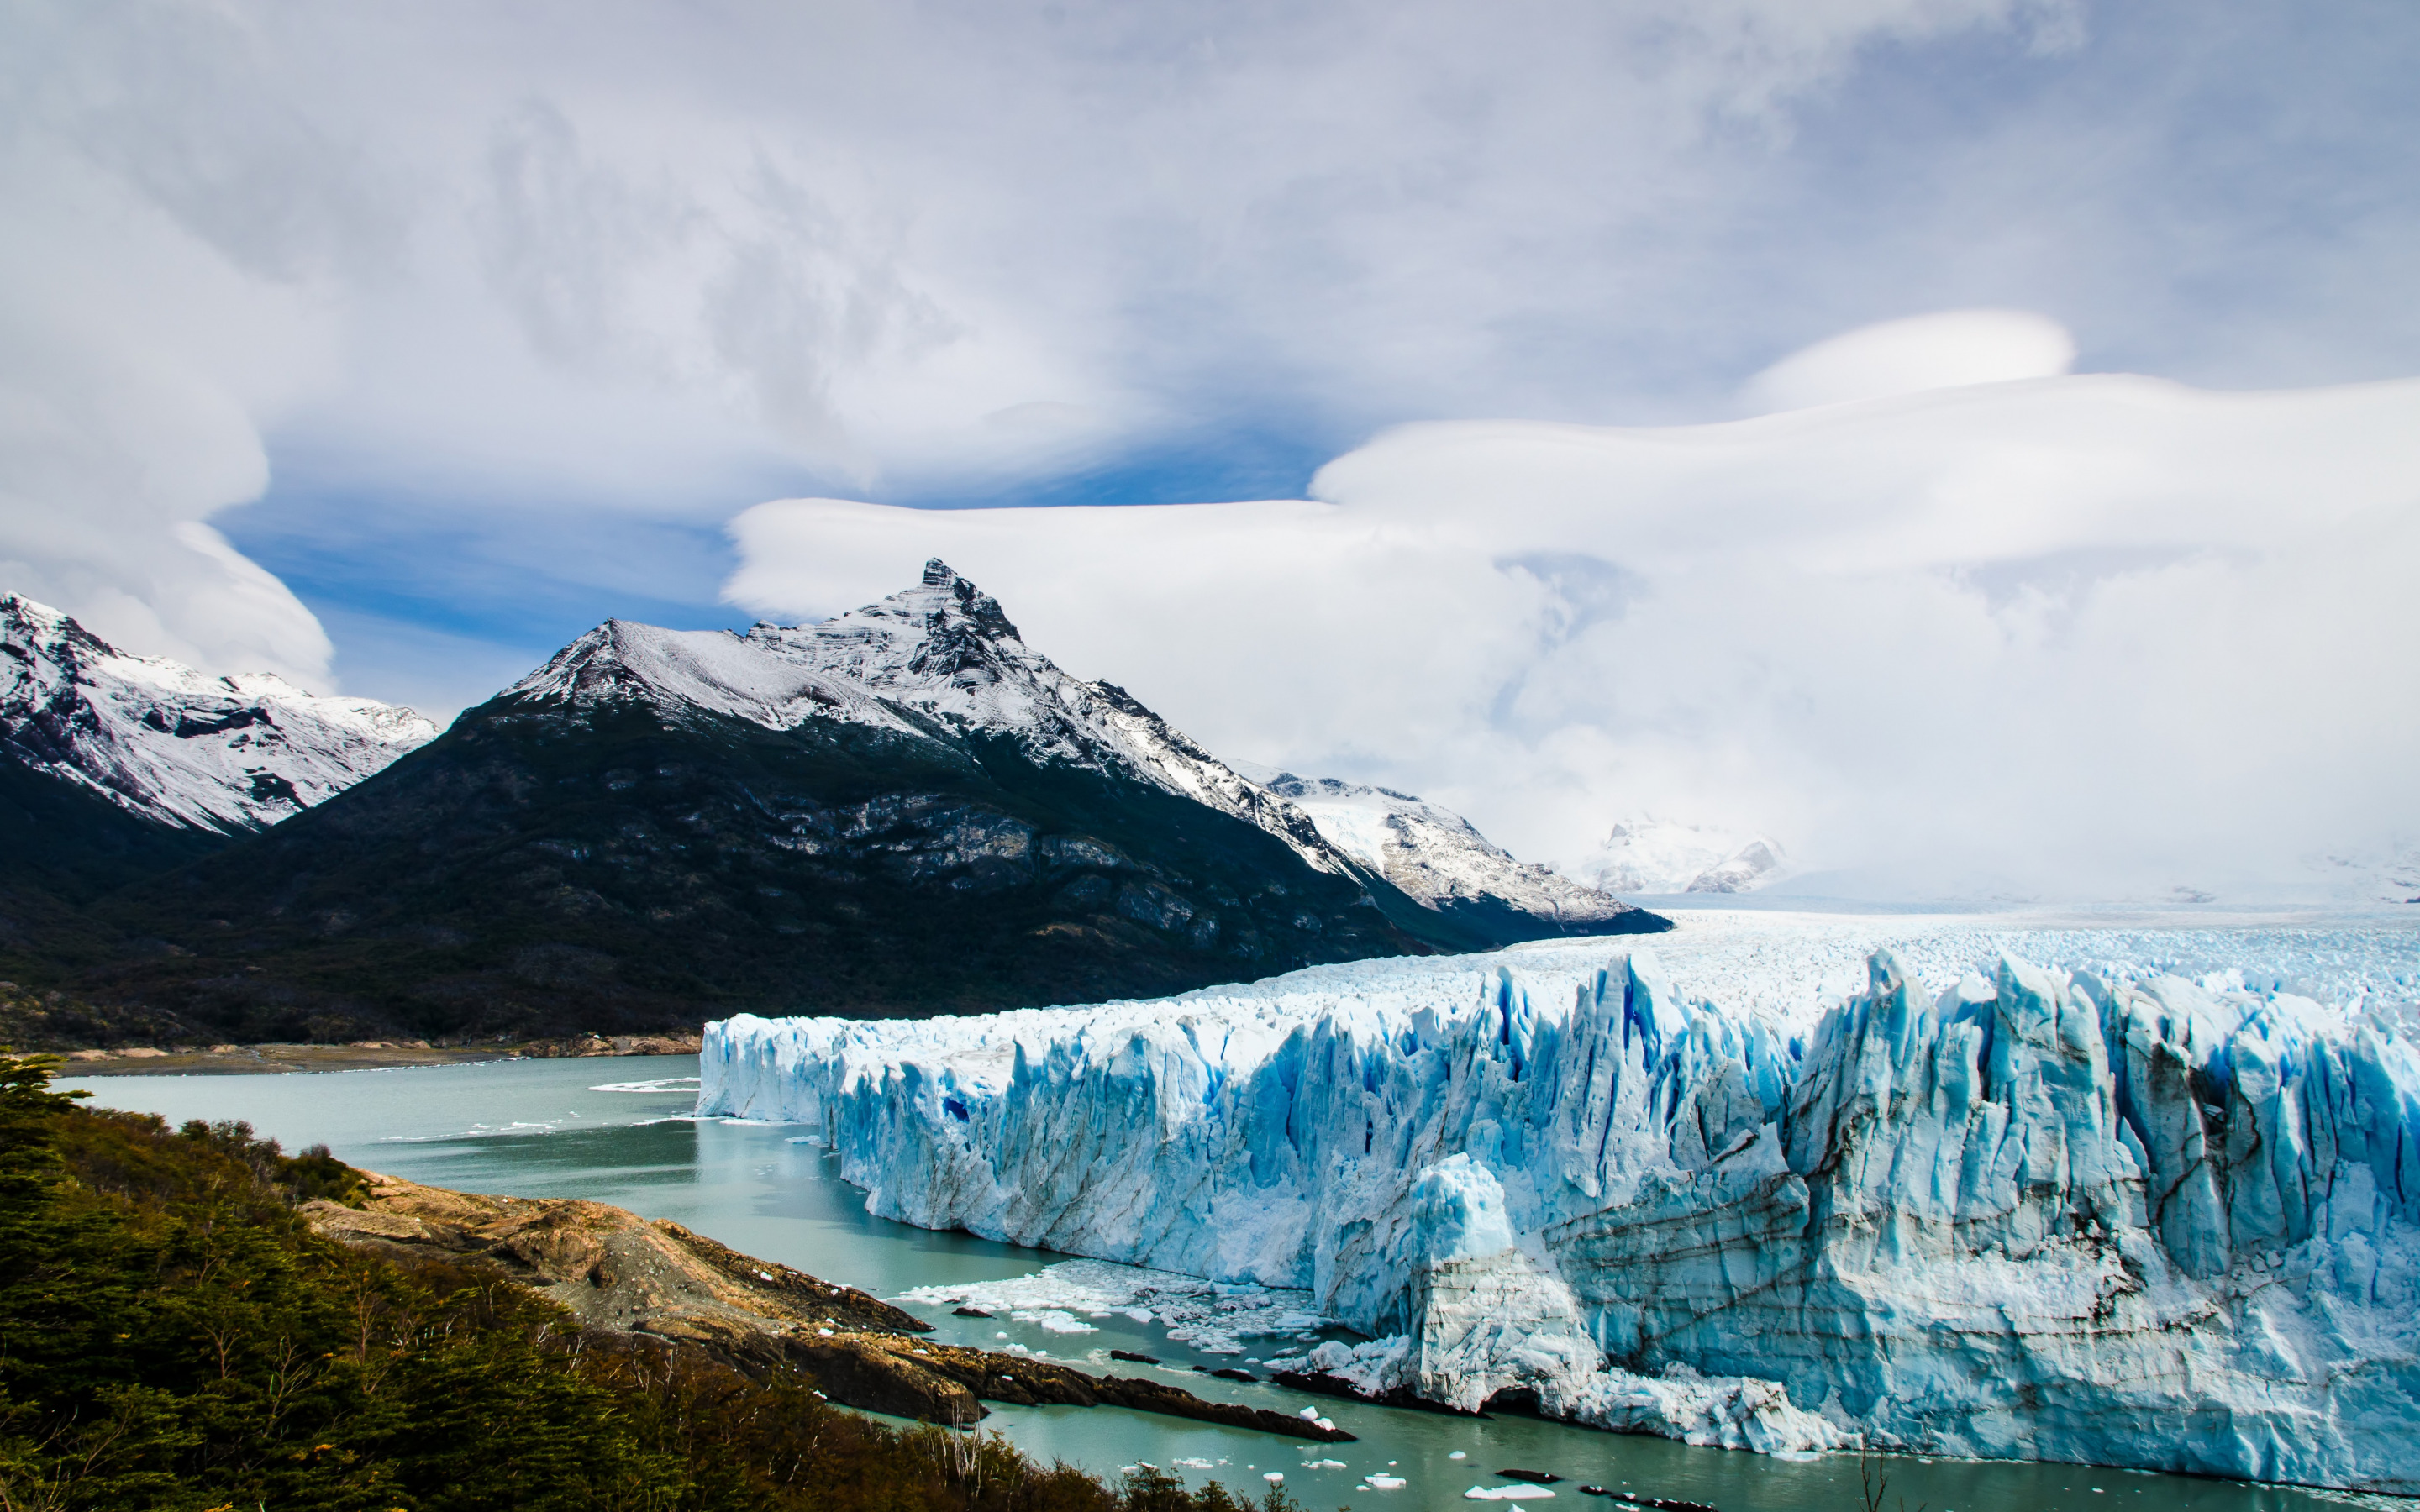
(1436, 856)
(903, 809)
(1648, 855)
(114, 767)
(173, 746)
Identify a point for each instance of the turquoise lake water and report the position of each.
(614, 1130)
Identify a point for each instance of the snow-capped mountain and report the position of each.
(1436, 856)
(946, 650)
(173, 746)
(1648, 855)
(2386, 874)
(903, 809)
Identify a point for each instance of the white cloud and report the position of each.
(1918, 352)
(574, 270)
(854, 236)
(132, 364)
(2096, 634)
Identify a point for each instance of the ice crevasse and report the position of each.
(2098, 1217)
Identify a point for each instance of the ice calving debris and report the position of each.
(1386, 1483)
(1194, 1464)
(1506, 1493)
(1323, 1464)
(1310, 1415)
(1213, 1317)
(1273, 1476)
(1457, 1455)
(2167, 1181)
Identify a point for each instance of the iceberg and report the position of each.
(2004, 1197)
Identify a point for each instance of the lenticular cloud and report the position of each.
(2100, 635)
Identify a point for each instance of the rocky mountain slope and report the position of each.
(168, 745)
(904, 810)
(1440, 861)
(114, 768)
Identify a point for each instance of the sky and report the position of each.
(1971, 438)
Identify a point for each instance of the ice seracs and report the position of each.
(2143, 1197)
(172, 745)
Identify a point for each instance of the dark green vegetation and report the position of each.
(61, 848)
(546, 869)
(173, 1337)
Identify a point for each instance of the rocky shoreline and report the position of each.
(632, 1282)
(365, 1054)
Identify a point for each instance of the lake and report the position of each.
(615, 1130)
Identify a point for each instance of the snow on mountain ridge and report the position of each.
(674, 672)
(944, 650)
(176, 746)
(1646, 854)
(1433, 853)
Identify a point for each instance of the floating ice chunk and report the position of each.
(1310, 1415)
(1386, 1483)
(1457, 1455)
(1506, 1493)
(1273, 1476)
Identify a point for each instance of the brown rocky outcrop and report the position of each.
(631, 1278)
(614, 1044)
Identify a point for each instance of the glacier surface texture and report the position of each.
(2035, 1195)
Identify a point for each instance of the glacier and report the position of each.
(2138, 1197)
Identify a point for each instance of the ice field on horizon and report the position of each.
(2135, 1189)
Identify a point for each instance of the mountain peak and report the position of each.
(951, 606)
(943, 651)
(44, 626)
(175, 746)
